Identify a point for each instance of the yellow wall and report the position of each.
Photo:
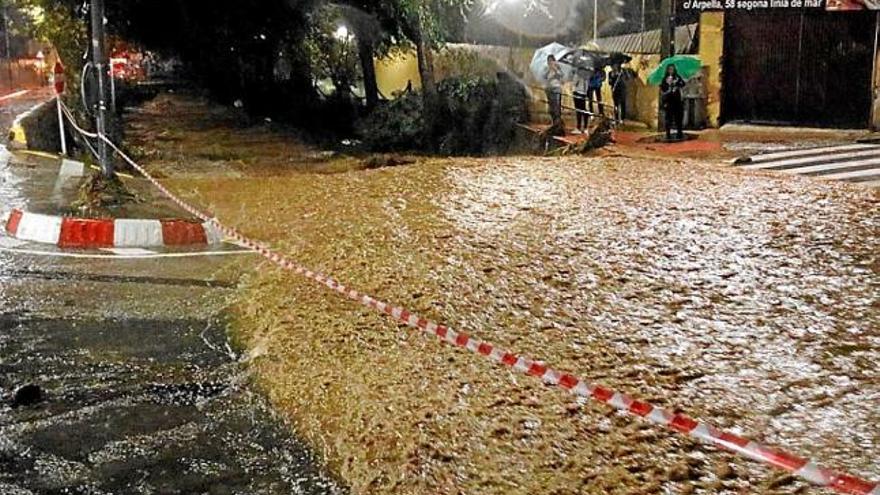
(711, 52)
(642, 100)
(394, 72)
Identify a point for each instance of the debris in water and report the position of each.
(28, 395)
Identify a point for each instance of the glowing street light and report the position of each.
(342, 33)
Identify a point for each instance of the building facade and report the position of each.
(802, 67)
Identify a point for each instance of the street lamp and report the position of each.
(342, 33)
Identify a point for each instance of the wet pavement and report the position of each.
(140, 390)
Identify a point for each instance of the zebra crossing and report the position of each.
(859, 162)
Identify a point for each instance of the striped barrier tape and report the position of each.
(838, 481)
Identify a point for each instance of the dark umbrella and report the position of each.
(584, 59)
(617, 58)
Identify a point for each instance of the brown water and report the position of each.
(748, 300)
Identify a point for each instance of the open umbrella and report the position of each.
(688, 66)
(617, 58)
(539, 61)
(582, 58)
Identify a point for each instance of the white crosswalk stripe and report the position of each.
(852, 162)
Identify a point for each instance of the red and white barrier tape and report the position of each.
(835, 480)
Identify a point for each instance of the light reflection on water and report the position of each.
(763, 292)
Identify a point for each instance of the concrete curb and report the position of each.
(84, 233)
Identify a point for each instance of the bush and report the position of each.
(396, 125)
(475, 116)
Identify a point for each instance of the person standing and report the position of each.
(553, 76)
(673, 105)
(581, 93)
(595, 90)
(617, 80)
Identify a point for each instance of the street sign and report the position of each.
(59, 78)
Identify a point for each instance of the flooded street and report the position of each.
(749, 300)
(117, 376)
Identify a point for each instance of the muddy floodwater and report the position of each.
(748, 300)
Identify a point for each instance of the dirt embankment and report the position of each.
(748, 300)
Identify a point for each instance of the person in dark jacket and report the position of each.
(594, 92)
(581, 90)
(673, 105)
(617, 80)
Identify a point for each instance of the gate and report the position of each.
(807, 67)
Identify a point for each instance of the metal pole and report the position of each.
(8, 45)
(642, 32)
(595, 20)
(112, 89)
(100, 62)
(667, 29)
(61, 127)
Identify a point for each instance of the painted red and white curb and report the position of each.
(81, 233)
(838, 481)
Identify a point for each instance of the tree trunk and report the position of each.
(371, 88)
(426, 67)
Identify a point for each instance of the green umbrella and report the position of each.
(688, 66)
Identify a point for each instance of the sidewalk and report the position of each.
(732, 141)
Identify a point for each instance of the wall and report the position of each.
(393, 73)
(711, 53)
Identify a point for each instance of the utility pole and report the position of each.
(667, 28)
(8, 46)
(667, 43)
(642, 31)
(595, 20)
(99, 59)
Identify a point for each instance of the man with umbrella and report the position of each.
(547, 70)
(553, 89)
(617, 80)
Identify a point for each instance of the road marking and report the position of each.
(852, 163)
(766, 157)
(831, 166)
(14, 95)
(40, 154)
(129, 251)
(776, 165)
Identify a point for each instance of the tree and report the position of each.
(371, 41)
(332, 50)
(61, 24)
(426, 24)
